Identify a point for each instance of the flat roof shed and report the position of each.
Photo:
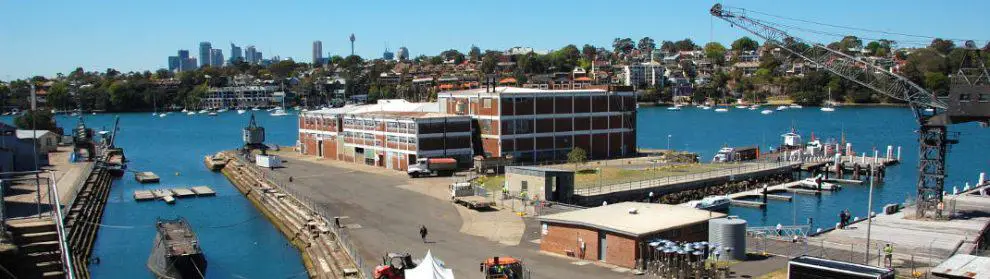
(648, 219)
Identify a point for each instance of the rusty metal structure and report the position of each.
(968, 99)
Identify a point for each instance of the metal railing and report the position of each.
(342, 236)
(55, 213)
(744, 168)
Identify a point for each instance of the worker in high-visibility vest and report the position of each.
(888, 255)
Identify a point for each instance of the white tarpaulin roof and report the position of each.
(429, 269)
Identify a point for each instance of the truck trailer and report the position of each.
(432, 167)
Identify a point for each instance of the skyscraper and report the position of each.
(388, 55)
(317, 52)
(216, 58)
(204, 53)
(235, 54)
(402, 54)
(185, 62)
(251, 55)
(173, 63)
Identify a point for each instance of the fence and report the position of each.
(342, 236)
(906, 261)
(730, 172)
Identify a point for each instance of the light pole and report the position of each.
(869, 221)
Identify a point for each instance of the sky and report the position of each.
(48, 37)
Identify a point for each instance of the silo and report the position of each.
(729, 234)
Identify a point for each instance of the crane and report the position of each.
(967, 101)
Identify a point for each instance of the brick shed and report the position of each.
(616, 233)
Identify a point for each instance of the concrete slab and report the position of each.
(182, 192)
(143, 195)
(203, 191)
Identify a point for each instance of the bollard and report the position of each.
(890, 152)
(876, 156)
(862, 160)
(983, 179)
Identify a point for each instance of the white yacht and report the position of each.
(779, 108)
(279, 112)
(722, 109)
(711, 203)
(241, 111)
(795, 106)
(675, 107)
(829, 105)
(766, 111)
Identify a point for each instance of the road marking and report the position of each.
(581, 263)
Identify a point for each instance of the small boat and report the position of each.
(675, 107)
(162, 115)
(754, 107)
(779, 108)
(204, 111)
(828, 109)
(829, 106)
(795, 106)
(711, 203)
(185, 110)
(741, 106)
(255, 108)
(704, 107)
(221, 110)
(279, 112)
(176, 252)
(191, 113)
(766, 111)
(722, 109)
(212, 113)
(241, 111)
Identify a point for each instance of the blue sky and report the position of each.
(47, 37)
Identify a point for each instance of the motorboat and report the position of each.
(221, 110)
(279, 112)
(255, 108)
(191, 113)
(828, 109)
(795, 106)
(163, 115)
(204, 111)
(241, 111)
(711, 203)
(185, 110)
(779, 108)
(704, 107)
(675, 107)
(741, 106)
(929, 110)
(766, 111)
(212, 113)
(722, 109)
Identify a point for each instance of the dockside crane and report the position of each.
(968, 99)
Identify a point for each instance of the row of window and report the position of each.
(979, 97)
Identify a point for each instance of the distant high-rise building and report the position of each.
(186, 63)
(173, 63)
(388, 55)
(216, 58)
(317, 52)
(204, 53)
(235, 53)
(251, 55)
(403, 54)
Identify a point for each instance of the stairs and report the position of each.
(37, 241)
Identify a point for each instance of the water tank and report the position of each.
(729, 234)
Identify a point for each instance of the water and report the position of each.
(705, 131)
(238, 241)
(240, 244)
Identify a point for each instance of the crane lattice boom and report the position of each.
(864, 73)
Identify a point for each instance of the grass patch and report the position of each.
(492, 183)
(776, 274)
(590, 177)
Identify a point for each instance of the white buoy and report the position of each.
(849, 149)
(876, 156)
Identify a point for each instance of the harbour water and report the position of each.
(238, 241)
(705, 131)
(241, 244)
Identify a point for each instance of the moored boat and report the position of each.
(176, 252)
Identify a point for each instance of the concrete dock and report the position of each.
(153, 194)
(146, 177)
(203, 191)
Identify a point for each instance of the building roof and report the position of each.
(396, 108)
(27, 134)
(649, 218)
(519, 90)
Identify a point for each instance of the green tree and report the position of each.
(489, 62)
(745, 44)
(475, 53)
(685, 45)
(942, 46)
(716, 52)
(577, 156)
(588, 52)
(58, 96)
(36, 120)
(646, 45)
(937, 82)
(622, 46)
(667, 46)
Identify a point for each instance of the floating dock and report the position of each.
(169, 195)
(146, 177)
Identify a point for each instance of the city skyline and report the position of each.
(40, 48)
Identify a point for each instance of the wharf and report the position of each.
(639, 189)
(164, 194)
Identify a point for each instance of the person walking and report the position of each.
(888, 255)
(422, 232)
(842, 220)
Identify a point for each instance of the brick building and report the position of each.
(616, 233)
(390, 134)
(543, 125)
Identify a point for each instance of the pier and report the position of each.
(167, 194)
(638, 190)
(325, 251)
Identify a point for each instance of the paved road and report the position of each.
(384, 217)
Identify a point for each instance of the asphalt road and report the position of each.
(382, 217)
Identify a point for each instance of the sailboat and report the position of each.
(722, 108)
(828, 105)
(280, 111)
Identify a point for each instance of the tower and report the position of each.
(352, 44)
(317, 52)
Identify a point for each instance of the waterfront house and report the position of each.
(46, 141)
(18, 154)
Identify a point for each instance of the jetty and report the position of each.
(169, 194)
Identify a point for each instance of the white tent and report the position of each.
(429, 268)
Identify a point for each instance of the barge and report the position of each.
(176, 254)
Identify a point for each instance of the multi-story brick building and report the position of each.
(542, 125)
(390, 134)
